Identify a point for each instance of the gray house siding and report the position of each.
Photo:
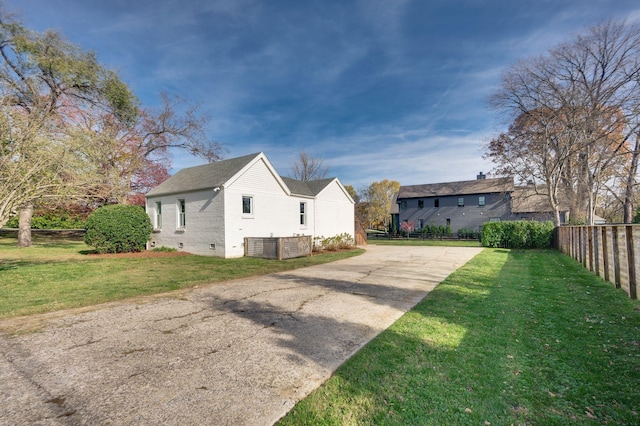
(423, 211)
(482, 200)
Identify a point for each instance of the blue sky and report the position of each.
(379, 89)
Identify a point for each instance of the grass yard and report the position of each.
(60, 274)
(511, 338)
(433, 243)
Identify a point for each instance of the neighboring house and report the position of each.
(467, 204)
(210, 209)
(528, 204)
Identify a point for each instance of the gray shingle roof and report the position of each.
(207, 176)
(298, 187)
(309, 189)
(525, 199)
(467, 187)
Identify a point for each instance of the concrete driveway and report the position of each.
(232, 353)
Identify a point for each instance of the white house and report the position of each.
(210, 209)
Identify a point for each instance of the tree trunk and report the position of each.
(24, 226)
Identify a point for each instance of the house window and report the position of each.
(247, 205)
(303, 214)
(158, 215)
(460, 201)
(481, 200)
(403, 205)
(420, 204)
(448, 222)
(182, 214)
(436, 202)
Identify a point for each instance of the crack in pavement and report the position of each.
(90, 342)
(179, 316)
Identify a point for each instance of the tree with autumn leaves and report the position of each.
(373, 202)
(575, 122)
(70, 128)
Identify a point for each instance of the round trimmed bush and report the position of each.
(118, 229)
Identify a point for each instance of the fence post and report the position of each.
(616, 256)
(572, 242)
(596, 251)
(605, 253)
(631, 261)
(583, 246)
(590, 248)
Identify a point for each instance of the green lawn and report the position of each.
(513, 337)
(59, 274)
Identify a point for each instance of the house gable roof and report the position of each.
(526, 199)
(314, 187)
(317, 186)
(260, 157)
(298, 187)
(203, 177)
(224, 173)
(322, 184)
(307, 189)
(468, 187)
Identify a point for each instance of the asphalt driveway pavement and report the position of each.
(241, 352)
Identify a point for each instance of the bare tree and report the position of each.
(576, 109)
(126, 152)
(307, 168)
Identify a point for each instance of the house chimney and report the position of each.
(481, 176)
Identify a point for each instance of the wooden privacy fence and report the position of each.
(360, 234)
(610, 251)
(277, 247)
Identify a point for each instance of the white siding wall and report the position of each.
(274, 212)
(334, 212)
(204, 222)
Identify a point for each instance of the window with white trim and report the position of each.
(247, 205)
(158, 215)
(303, 214)
(482, 200)
(182, 214)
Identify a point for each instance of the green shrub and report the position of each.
(434, 231)
(338, 242)
(164, 249)
(518, 234)
(56, 219)
(468, 233)
(118, 229)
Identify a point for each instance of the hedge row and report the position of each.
(53, 220)
(519, 234)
